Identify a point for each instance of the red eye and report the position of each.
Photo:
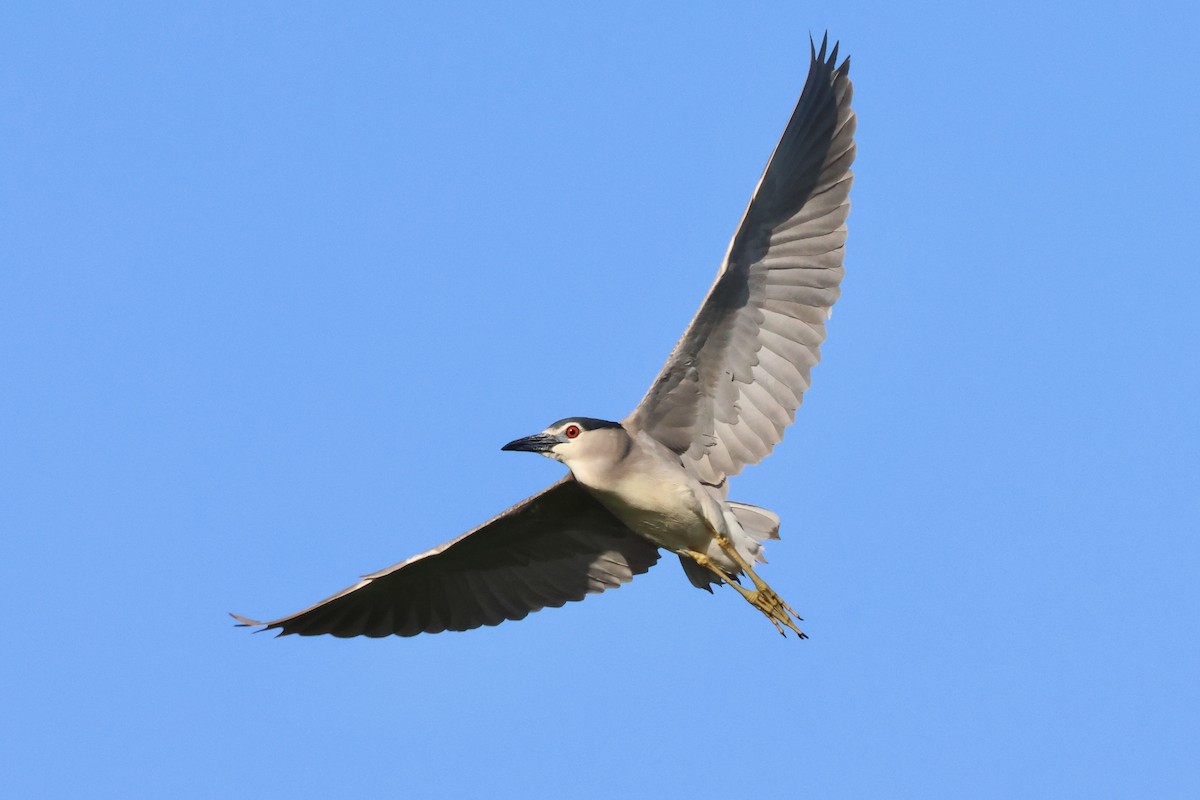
(572, 431)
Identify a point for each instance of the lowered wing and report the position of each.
(557, 546)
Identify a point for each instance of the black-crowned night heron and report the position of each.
(659, 478)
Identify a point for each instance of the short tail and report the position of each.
(758, 524)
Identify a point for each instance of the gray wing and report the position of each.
(557, 546)
(735, 379)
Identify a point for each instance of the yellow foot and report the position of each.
(762, 596)
(775, 609)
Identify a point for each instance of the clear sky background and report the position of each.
(278, 280)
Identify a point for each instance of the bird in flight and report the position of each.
(659, 478)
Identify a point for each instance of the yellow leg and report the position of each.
(762, 596)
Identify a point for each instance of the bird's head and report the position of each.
(573, 439)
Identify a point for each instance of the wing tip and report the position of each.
(829, 60)
(246, 622)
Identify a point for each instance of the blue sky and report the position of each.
(278, 280)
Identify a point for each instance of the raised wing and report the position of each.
(734, 381)
(557, 546)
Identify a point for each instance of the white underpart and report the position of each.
(657, 498)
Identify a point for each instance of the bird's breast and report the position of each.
(664, 510)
